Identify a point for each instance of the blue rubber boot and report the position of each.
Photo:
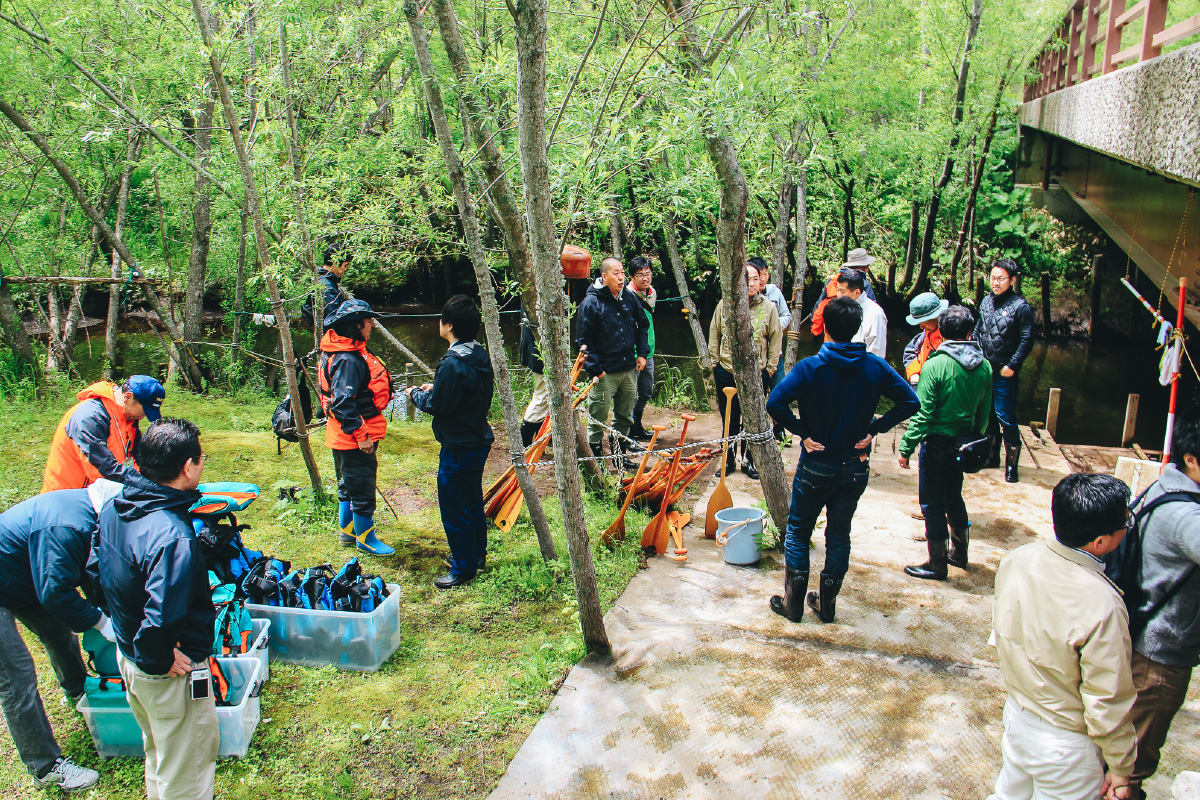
(366, 540)
(346, 525)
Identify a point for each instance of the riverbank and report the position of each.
(476, 668)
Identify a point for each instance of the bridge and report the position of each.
(1112, 133)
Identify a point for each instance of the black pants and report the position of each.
(356, 473)
(939, 484)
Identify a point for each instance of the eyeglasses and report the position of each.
(1130, 518)
(999, 279)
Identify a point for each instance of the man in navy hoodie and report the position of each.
(459, 400)
(155, 584)
(837, 391)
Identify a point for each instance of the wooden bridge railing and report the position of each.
(1081, 47)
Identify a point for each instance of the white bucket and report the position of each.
(736, 531)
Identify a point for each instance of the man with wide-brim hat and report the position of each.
(355, 388)
(923, 311)
(857, 258)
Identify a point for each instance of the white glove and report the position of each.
(105, 628)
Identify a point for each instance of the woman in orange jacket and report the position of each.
(355, 388)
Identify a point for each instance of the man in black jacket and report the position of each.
(458, 400)
(613, 325)
(155, 584)
(539, 402)
(1005, 332)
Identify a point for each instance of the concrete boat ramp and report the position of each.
(710, 695)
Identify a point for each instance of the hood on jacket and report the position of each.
(843, 355)
(1174, 480)
(103, 391)
(333, 343)
(967, 353)
(137, 501)
(473, 355)
(603, 292)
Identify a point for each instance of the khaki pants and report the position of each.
(539, 403)
(1161, 692)
(616, 391)
(180, 734)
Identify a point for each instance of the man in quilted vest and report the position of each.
(1005, 333)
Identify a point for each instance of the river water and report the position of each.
(1095, 378)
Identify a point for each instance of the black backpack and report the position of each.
(1123, 566)
(283, 421)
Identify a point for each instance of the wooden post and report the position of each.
(1095, 306)
(1052, 413)
(410, 411)
(1046, 304)
(1130, 420)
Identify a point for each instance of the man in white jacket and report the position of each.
(873, 332)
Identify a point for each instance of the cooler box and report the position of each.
(345, 639)
(116, 733)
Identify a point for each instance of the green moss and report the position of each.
(476, 668)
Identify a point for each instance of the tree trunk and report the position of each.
(796, 326)
(114, 292)
(14, 331)
(910, 251)
(264, 252)
(529, 17)
(921, 283)
(193, 306)
(239, 287)
(783, 223)
(483, 276)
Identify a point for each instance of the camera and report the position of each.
(201, 686)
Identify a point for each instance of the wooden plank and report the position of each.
(1052, 412)
(1131, 409)
(1112, 36)
(1174, 33)
(1136, 10)
(1156, 19)
(1128, 54)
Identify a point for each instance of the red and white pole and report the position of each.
(1180, 306)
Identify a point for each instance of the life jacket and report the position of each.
(931, 342)
(320, 589)
(233, 628)
(372, 398)
(818, 322)
(66, 467)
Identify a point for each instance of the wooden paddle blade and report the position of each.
(510, 511)
(719, 500)
(683, 521)
(616, 532)
(650, 535)
(499, 483)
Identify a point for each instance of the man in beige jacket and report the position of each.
(768, 342)
(1061, 632)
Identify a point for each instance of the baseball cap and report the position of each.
(149, 393)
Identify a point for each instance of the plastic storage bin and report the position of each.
(260, 639)
(116, 734)
(345, 639)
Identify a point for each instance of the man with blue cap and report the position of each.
(97, 437)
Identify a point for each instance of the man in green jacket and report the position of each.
(955, 391)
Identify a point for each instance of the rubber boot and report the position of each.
(748, 463)
(996, 444)
(620, 448)
(638, 432)
(791, 605)
(1012, 454)
(959, 539)
(824, 605)
(345, 524)
(366, 540)
(529, 432)
(935, 568)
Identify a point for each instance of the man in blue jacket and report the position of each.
(613, 325)
(458, 400)
(155, 584)
(837, 391)
(44, 546)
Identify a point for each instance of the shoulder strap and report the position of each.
(1142, 513)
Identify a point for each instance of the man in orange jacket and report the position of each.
(97, 436)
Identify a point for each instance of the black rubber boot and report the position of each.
(748, 463)
(1012, 454)
(824, 604)
(959, 539)
(791, 605)
(996, 445)
(529, 432)
(638, 431)
(935, 568)
(619, 448)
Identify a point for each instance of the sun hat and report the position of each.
(350, 309)
(858, 258)
(924, 307)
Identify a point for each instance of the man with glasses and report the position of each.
(1005, 332)
(613, 325)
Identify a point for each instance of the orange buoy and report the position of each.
(576, 262)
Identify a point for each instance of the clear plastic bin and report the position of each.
(345, 639)
(116, 734)
(260, 639)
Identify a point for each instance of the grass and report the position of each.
(476, 668)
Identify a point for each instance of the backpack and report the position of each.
(1123, 566)
(283, 421)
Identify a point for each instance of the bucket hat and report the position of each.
(149, 393)
(858, 258)
(925, 307)
(350, 309)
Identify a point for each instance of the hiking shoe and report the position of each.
(68, 776)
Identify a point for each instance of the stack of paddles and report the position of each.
(504, 498)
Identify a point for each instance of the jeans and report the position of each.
(836, 488)
(460, 499)
(23, 709)
(645, 390)
(356, 473)
(1004, 403)
(1042, 762)
(1161, 692)
(939, 485)
(616, 391)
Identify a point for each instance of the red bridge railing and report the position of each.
(1081, 47)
